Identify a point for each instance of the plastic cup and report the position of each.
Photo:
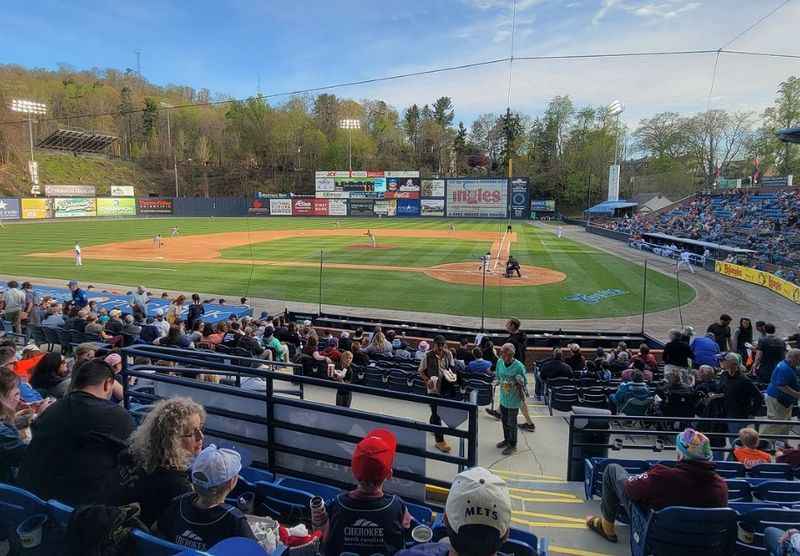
(30, 531)
(247, 502)
(422, 534)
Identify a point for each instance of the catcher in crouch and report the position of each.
(512, 265)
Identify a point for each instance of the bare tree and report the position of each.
(715, 138)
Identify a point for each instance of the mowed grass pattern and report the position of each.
(588, 270)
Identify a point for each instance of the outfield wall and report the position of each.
(492, 198)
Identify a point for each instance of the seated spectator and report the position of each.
(400, 350)
(358, 335)
(31, 355)
(619, 363)
(92, 327)
(332, 349)
(470, 530)
(371, 467)
(422, 350)
(463, 352)
(575, 358)
(51, 377)
(359, 357)
(646, 357)
(14, 426)
(487, 347)
(555, 367)
(160, 323)
(271, 342)
(195, 334)
(320, 361)
(692, 482)
(154, 469)
(114, 325)
(706, 381)
(84, 434)
(782, 543)
(705, 350)
(479, 365)
(233, 335)
(345, 342)
(173, 339)
(130, 328)
(201, 519)
(216, 336)
(748, 453)
(677, 400)
(636, 388)
(250, 343)
(54, 318)
(378, 344)
(637, 365)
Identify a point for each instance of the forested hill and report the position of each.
(233, 148)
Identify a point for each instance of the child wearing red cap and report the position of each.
(366, 521)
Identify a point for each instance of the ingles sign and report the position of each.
(482, 198)
(765, 279)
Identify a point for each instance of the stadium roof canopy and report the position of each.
(697, 242)
(789, 135)
(611, 207)
(77, 141)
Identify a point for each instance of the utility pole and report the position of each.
(169, 142)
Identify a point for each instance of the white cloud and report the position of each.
(484, 5)
(666, 9)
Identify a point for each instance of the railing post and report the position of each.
(569, 445)
(270, 426)
(472, 441)
(125, 378)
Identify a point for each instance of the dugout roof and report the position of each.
(610, 207)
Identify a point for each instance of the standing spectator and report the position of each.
(200, 519)
(692, 482)
(14, 432)
(705, 350)
(743, 336)
(51, 376)
(677, 354)
(512, 380)
(463, 353)
(722, 332)
(79, 298)
(436, 370)
(196, 311)
(14, 302)
(760, 329)
(769, 353)
(517, 338)
(471, 530)
(155, 467)
(31, 301)
(160, 324)
(782, 393)
(84, 433)
(175, 309)
(386, 514)
(138, 303)
(344, 375)
(741, 397)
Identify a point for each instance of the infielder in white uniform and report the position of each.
(174, 231)
(78, 261)
(485, 262)
(560, 232)
(371, 237)
(157, 241)
(685, 261)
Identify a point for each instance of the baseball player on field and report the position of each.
(77, 252)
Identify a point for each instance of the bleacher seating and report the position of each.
(684, 531)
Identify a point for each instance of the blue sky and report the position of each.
(225, 46)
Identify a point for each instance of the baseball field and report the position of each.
(415, 264)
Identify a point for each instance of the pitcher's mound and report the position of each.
(369, 246)
(470, 274)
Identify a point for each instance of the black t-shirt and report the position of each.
(345, 344)
(73, 454)
(678, 353)
(555, 368)
(154, 492)
(231, 339)
(520, 342)
(195, 311)
(114, 327)
(773, 350)
(464, 354)
(187, 525)
(365, 526)
(722, 334)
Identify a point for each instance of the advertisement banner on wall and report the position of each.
(362, 207)
(519, 198)
(386, 208)
(153, 206)
(432, 207)
(325, 184)
(543, 205)
(116, 206)
(477, 198)
(333, 195)
(402, 188)
(408, 207)
(319, 207)
(337, 207)
(35, 209)
(259, 207)
(70, 190)
(433, 188)
(780, 286)
(303, 207)
(9, 209)
(73, 207)
(122, 191)
(280, 207)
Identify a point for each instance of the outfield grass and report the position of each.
(588, 270)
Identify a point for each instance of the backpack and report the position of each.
(98, 530)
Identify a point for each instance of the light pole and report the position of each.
(350, 125)
(30, 108)
(169, 142)
(614, 110)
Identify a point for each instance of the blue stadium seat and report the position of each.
(59, 512)
(754, 523)
(287, 505)
(781, 471)
(787, 492)
(327, 492)
(739, 490)
(255, 475)
(594, 468)
(683, 531)
(145, 544)
(742, 508)
(421, 514)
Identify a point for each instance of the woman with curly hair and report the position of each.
(154, 470)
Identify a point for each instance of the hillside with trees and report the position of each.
(227, 147)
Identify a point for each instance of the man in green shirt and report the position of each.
(512, 380)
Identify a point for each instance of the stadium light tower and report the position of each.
(169, 142)
(31, 109)
(350, 125)
(614, 110)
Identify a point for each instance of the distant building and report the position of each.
(650, 202)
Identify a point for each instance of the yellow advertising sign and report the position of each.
(36, 208)
(760, 277)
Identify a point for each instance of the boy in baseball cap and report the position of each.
(366, 521)
(201, 519)
(477, 515)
